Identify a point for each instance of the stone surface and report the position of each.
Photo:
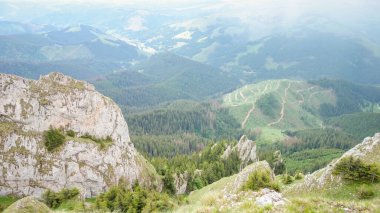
(242, 177)
(233, 197)
(368, 151)
(270, 197)
(246, 150)
(27, 205)
(28, 107)
(180, 182)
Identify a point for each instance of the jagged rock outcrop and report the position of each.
(180, 182)
(233, 196)
(246, 149)
(29, 107)
(368, 151)
(27, 205)
(242, 177)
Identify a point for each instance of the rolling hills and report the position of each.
(278, 104)
(165, 77)
(81, 51)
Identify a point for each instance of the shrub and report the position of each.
(70, 133)
(101, 141)
(120, 199)
(287, 179)
(365, 192)
(53, 138)
(168, 181)
(269, 105)
(299, 176)
(357, 171)
(55, 199)
(261, 178)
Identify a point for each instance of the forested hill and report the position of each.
(165, 77)
(289, 104)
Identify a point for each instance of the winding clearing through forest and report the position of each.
(253, 105)
(282, 113)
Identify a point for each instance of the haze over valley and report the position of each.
(190, 106)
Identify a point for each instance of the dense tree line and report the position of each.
(308, 150)
(350, 97)
(317, 138)
(169, 145)
(121, 199)
(202, 119)
(359, 125)
(269, 105)
(202, 168)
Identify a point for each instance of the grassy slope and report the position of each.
(300, 100)
(300, 104)
(6, 201)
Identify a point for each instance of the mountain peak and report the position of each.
(97, 155)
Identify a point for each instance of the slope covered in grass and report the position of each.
(278, 104)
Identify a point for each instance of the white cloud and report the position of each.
(179, 45)
(136, 23)
(187, 35)
(203, 39)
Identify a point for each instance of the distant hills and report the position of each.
(165, 77)
(81, 51)
(289, 104)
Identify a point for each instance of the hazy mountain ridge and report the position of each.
(165, 77)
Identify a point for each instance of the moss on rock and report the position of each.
(27, 205)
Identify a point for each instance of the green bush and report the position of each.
(260, 178)
(287, 179)
(53, 139)
(357, 171)
(120, 199)
(299, 176)
(70, 133)
(365, 192)
(101, 141)
(269, 105)
(55, 199)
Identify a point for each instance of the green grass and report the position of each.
(73, 205)
(6, 201)
(300, 109)
(311, 159)
(205, 198)
(337, 197)
(269, 136)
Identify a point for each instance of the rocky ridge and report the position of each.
(246, 150)
(368, 151)
(29, 107)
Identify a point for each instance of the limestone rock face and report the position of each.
(246, 149)
(270, 197)
(242, 177)
(233, 197)
(368, 151)
(180, 182)
(29, 107)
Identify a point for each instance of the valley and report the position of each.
(189, 106)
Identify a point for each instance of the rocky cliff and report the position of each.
(246, 150)
(368, 151)
(29, 107)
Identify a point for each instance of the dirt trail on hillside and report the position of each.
(242, 95)
(302, 97)
(253, 107)
(282, 113)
